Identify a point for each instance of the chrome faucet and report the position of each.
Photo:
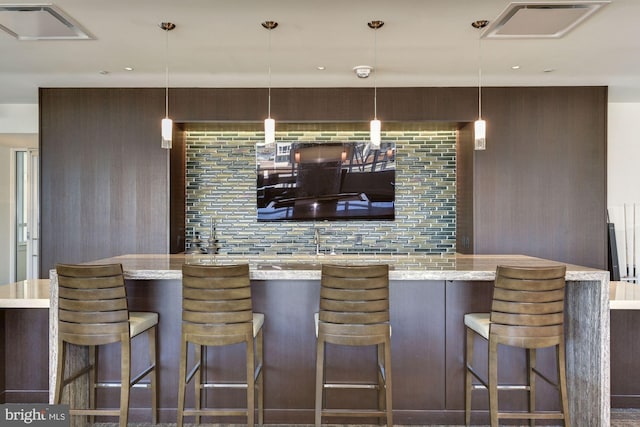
(316, 240)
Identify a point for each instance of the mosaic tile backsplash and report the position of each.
(221, 198)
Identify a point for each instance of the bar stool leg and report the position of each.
(531, 375)
(319, 381)
(198, 350)
(250, 363)
(388, 387)
(259, 350)
(93, 375)
(562, 382)
(125, 367)
(153, 361)
(182, 374)
(380, 390)
(493, 382)
(62, 353)
(467, 377)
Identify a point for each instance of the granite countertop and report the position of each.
(25, 294)
(307, 267)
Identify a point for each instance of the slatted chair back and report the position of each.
(216, 304)
(92, 304)
(528, 306)
(354, 304)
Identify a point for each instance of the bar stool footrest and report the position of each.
(218, 412)
(351, 386)
(531, 415)
(353, 413)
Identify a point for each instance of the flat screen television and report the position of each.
(310, 181)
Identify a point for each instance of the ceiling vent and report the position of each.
(40, 22)
(548, 19)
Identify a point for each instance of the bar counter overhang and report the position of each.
(429, 296)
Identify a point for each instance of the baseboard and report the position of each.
(25, 396)
(625, 401)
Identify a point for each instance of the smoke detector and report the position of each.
(362, 71)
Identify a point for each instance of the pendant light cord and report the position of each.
(375, 72)
(269, 67)
(480, 76)
(166, 71)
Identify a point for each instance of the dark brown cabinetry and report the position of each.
(427, 353)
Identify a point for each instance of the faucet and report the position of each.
(316, 240)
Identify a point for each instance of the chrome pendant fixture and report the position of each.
(480, 126)
(167, 123)
(269, 123)
(375, 126)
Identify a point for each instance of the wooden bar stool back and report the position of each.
(354, 311)
(93, 311)
(217, 311)
(527, 312)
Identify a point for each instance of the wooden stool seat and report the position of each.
(527, 312)
(479, 323)
(354, 311)
(93, 311)
(217, 311)
(257, 322)
(140, 321)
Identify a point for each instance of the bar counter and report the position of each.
(429, 297)
(33, 293)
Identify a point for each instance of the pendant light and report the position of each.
(480, 126)
(167, 123)
(269, 123)
(375, 125)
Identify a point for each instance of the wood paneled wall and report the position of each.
(539, 188)
(104, 183)
(464, 190)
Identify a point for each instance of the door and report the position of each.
(26, 214)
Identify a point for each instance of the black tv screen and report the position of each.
(308, 181)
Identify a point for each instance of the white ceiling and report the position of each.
(220, 43)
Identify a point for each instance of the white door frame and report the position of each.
(33, 214)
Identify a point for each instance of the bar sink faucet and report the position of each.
(316, 240)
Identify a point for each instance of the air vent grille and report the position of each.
(40, 22)
(541, 19)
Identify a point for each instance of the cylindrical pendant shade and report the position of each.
(374, 130)
(480, 134)
(269, 131)
(167, 132)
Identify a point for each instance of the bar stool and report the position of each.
(527, 312)
(93, 311)
(354, 311)
(217, 311)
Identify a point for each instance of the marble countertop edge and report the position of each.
(314, 274)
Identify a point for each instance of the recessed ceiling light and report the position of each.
(515, 67)
(321, 67)
(128, 68)
(548, 70)
(40, 22)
